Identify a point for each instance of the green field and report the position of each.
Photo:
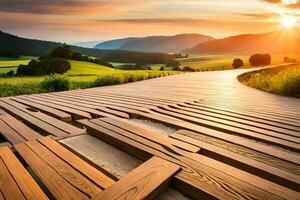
(222, 62)
(82, 75)
(279, 80)
(8, 65)
(86, 68)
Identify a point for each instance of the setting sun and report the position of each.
(288, 21)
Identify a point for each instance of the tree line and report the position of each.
(254, 60)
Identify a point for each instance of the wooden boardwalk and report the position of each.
(217, 139)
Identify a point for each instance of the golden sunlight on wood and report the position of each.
(288, 21)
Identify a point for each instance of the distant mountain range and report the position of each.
(278, 42)
(88, 44)
(133, 50)
(22, 46)
(166, 44)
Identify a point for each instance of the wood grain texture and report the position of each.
(25, 182)
(144, 182)
(21, 129)
(196, 172)
(8, 185)
(59, 187)
(92, 173)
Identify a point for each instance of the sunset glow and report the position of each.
(290, 2)
(79, 20)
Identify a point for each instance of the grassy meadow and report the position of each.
(281, 80)
(82, 75)
(222, 62)
(10, 64)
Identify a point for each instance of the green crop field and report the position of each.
(222, 62)
(8, 65)
(86, 68)
(81, 75)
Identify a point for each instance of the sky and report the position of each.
(89, 20)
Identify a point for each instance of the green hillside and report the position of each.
(23, 46)
(86, 68)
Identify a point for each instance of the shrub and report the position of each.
(108, 79)
(162, 68)
(188, 69)
(24, 70)
(55, 83)
(10, 73)
(237, 63)
(260, 59)
(287, 59)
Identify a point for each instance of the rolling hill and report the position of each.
(32, 47)
(166, 44)
(278, 42)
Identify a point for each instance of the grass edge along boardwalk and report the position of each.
(217, 139)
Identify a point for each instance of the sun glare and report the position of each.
(290, 2)
(288, 21)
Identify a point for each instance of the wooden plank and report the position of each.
(32, 121)
(144, 182)
(241, 115)
(126, 125)
(270, 137)
(247, 164)
(271, 173)
(9, 134)
(23, 130)
(25, 182)
(244, 151)
(276, 152)
(76, 114)
(194, 172)
(48, 110)
(261, 125)
(81, 101)
(8, 185)
(78, 111)
(56, 184)
(74, 177)
(95, 175)
(40, 120)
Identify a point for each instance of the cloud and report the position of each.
(258, 16)
(60, 7)
(293, 4)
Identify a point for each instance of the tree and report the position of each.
(44, 67)
(162, 68)
(287, 59)
(237, 63)
(260, 59)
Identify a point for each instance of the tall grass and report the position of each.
(32, 85)
(283, 81)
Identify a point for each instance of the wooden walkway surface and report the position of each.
(228, 141)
